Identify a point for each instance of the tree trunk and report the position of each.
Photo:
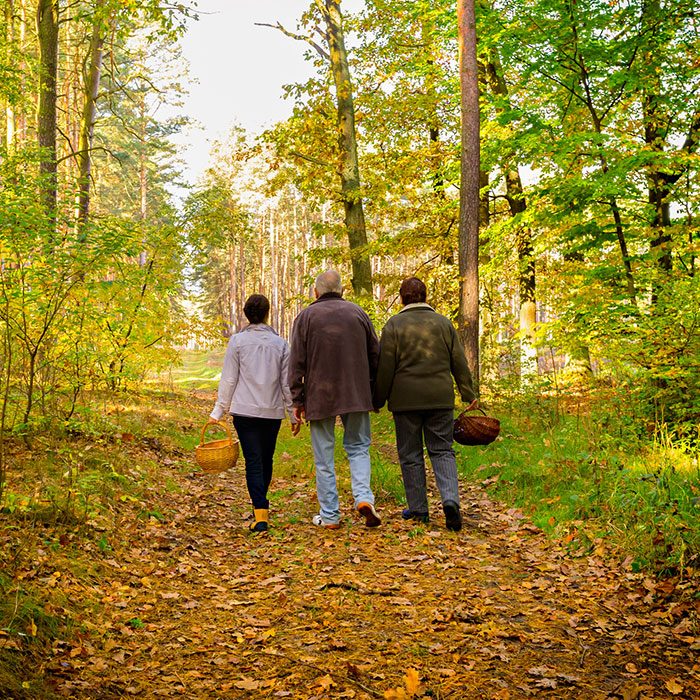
(87, 122)
(10, 48)
(518, 205)
(47, 30)
(469, 189)
(348, 167)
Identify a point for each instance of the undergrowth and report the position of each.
(586, 479)
(583, 472)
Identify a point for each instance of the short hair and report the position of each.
(413, 291)
(328, 281)
(256, 308)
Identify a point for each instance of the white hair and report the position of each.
(328, 281)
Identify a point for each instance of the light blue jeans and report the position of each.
(356, 441)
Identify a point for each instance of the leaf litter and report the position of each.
(195, 606)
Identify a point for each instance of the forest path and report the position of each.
(198, 607)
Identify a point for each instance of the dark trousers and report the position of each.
(435, 427)
(258, 438)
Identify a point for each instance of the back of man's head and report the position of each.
(328, 281)
(413, 291)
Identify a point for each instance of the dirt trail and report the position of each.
(197, 607)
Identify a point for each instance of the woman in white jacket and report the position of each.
(254, 389)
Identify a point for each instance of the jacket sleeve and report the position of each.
(297, 363)
(372, 351)
(386, 367)
(284, 385)
(228, 381)
(460, 368)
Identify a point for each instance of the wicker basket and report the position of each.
(216, 455)
(476, 429)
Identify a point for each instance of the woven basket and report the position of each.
(476, 429)
(216, 455)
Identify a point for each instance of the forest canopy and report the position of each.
(587, 213)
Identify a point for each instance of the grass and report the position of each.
(582, 482)
(587, 489)
(576, 472)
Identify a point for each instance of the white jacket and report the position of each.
(254, 378)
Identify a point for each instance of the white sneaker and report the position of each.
(317, 520)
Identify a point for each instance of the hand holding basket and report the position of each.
(475, 429)
(216, 455)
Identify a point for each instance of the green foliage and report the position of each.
(586, 479)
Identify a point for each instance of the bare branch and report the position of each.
(311, 159)
(298, 37)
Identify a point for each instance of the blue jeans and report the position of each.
(258, 438)
(356, 441)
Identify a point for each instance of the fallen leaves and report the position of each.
(498, 611)
(410, 688)
(673, 686)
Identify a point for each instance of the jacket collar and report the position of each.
(417, 305)
(328, 295)
(260, 327)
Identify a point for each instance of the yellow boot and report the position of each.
(260, 524)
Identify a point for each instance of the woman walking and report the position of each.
(254, 390)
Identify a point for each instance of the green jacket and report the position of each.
(419, 354)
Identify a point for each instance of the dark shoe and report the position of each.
(260, 526)
(370, 515)
(453, 518)
(408, 514)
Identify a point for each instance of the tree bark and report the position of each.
(517, 204)
(469, 189)
(10, 48)
(348, 167)
(87, 122)
(47, 31)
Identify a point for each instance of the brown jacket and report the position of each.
(333, 360)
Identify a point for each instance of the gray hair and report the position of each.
(328, 281)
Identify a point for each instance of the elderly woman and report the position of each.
(253, 388)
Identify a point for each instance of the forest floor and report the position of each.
(187, 603)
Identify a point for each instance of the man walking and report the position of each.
(332, 365)
(420, 354)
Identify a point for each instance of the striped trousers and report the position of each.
(435, 428)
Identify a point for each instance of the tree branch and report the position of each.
(297, 37)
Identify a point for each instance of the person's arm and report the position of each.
(297, 365)
(460, 368)
(386, 367)
(286, 394)
(372, 351)
(228, 381)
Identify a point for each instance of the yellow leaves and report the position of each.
(674, 687)
(412, 681)
(411, 687)
(325, 683)
(247, 684)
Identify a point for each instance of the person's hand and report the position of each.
(299, 414)
(212, 421)
(296, 427)
(473, 405)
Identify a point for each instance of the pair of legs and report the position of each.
(435, 428)
(258, 438)
(356, 440)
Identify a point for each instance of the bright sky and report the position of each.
(240, 69)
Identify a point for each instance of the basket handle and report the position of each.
(218, 423)
(476, 408)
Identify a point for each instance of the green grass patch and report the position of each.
(583, 487)
(199, 370)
